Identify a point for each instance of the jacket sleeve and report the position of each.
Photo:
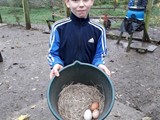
(53, 52)
(101, 50)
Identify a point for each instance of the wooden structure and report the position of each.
(145, 37)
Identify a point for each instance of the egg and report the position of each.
(88, 114)
(94, 105)
(95, 114)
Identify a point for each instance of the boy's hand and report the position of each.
(105, 69)
(55, 70)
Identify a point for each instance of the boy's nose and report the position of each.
(81, 3)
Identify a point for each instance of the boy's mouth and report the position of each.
(81, 11)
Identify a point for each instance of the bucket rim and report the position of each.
(136, 8)
(81, 63)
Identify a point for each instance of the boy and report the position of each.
(77, 38)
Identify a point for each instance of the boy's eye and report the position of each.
(80, 0)
(76, 0)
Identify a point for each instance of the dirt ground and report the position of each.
(24, 73)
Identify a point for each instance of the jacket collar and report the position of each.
(77, 20)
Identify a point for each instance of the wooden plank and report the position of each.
(143, 46)
(115, 36)
(110, 17)
(100, 8)
(106, 8)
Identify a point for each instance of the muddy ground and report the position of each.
(24, 73)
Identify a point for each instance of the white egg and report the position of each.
(88, 114)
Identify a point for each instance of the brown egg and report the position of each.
(95, 114)
(94, 105)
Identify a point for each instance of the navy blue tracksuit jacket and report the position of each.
(77, 39)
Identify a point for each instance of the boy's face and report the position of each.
(80, 8)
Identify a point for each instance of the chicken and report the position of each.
(106, 22)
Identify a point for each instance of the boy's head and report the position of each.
(79, 8)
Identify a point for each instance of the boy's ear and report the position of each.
(67, 3)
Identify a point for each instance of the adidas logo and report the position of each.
(91, 40)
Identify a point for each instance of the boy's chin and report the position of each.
(82, 16)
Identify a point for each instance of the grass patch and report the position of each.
(14, 15)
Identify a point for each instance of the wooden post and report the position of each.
(1, 19)
(51, 4)
(115, 4)
(146, 37)
(1, 59)
(26, 10)
(148, 13)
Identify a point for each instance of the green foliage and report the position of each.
(14, 3)
(155, 19)
(40, 15)
(156, 1)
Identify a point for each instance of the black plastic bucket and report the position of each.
(81, 73)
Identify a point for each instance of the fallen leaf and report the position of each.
(147, 118)
(33, 89)
(23, 117)
(117, 114)
(33, 106)
(36, 77)
(112, 72)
